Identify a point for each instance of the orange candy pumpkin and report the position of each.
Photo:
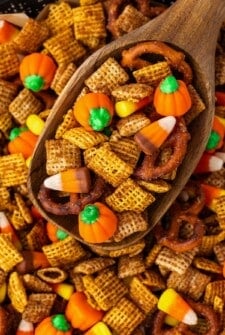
(22, 141)
(94, 111)
(37, 71)
(97, 223)
(54, 325)
(216, 137)
(80, 314)
(172, 97)
(54, 233)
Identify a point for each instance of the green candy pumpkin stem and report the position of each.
(59, 322)
(61, 234)
(34, 82)
(213, 141)
(99, 118)
(90, 214)
(169, 85)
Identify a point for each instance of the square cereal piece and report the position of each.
(6, 122)
(62, 76)
(17, 219)
(207, 265)
(152, 279)
(124, 317)
(209, 242)
(23, 208)
(128, 224)
(220, 207)
(69, 153)
(152, 74)
(130, 266)
(152, 255)
(219, 251)
(23, 105)
(4, 198)
(8, 92)
(131, 124)
(89, 24)
(197, 107)
(87, 2)
(142, 296)
(109, 166)
(2, 277)
(127, 149)
(174, 261)
(213, 289)
(83, 138)
(38, 307)
(17, 292)
(35, 284)
(13, 170)
(157, 186)
(216, 178)
(106, 289)
(59, 17)
(64, 48)
(9, 255)
(31, 36)
(68, 122)
(191, 283)
(131, 250)
(9, 61)
(130, 19)
(129, 196)
(93, 265)
(36, 238)
(63, 253)
(133, 92)
(107, 77)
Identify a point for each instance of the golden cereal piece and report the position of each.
(91, 300)
(131, 250)
(9, 255)
(207, 265)
(6, 122)
(9, 61)
(209, 241)
(17, 292)
(77, 280)
(109, 166)
(152, 74)
(132, 92)
(13, 170)
(106, 289)
(62, 76)
(89, 154)
(17, 219)
(127, 149)
(59, 17)
(213, 289)
(152, 279)
(2, 277)
(44, 114)
(218, 305)
(35, 284)
(220, 207)
(124, 317)
(216, 178)
(191, 283)
(64, 48)
(67, 123)
(129, 223)
(164, 157)
(89, 24)
(52, 275)
(197, 107)
(173, 261)
(8, 92)
(23, 105)
(219, 251)
(142, 296)
(23, 208)
(129, 196)
(31, 36)
(4, 198)
(130, 266)
(93, 265)
(38, 307)
(152, 255)
(69, 153)
(130, 19)
(131, 124)
(84, 139)
(36, 238)
(157, 186)
(108, 76)
(87, 2)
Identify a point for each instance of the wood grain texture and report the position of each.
(190, 25)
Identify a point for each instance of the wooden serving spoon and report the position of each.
(189, 25)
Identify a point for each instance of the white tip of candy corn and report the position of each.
(190, 318)
(25, 327)
(221, 155)
(3, 220)
(215, 164)
(54, 182)
(167, 123)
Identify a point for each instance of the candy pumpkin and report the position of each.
(97, 223)
(94, 111)
(37, 71)
(80, 314)
(54, 233)
(22, 140)
(54, 325)
(172, 97)
(216, 136)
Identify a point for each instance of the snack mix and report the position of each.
(120, 148)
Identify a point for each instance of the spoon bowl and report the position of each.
(189, 25)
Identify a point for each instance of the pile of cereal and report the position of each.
(172, 283)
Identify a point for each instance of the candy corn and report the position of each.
(100, 328)
(174, 305)
(35, 124)
(125, 108)
(33, 260)
(151, 137)
(6, 227)
(7, 31)
(64, 290)
(209, 163)
(25, 328)
(75, 180)
(221, 155)
(211, 193)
